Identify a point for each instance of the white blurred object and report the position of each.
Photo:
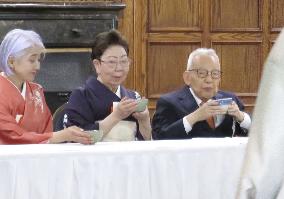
(263, 170)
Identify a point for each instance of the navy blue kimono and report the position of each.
(89, 104)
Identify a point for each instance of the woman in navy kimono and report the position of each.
(103, 103)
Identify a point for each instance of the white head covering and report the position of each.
(14, 44)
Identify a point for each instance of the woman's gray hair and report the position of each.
(14, 44)
(200, 51)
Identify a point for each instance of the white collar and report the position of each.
(118, 92)
(23, 93)
(197, 99)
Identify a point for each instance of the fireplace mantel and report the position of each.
(64, 6)
(68, 31)
(61, 25)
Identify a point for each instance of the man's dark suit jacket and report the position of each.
(171, 108)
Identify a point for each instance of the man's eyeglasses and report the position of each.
(203, 73)
(124, 63)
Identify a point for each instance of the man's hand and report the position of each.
(234, 111)
(206, 110)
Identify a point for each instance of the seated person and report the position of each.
(103, 103)
(24, 115)
(192, 111)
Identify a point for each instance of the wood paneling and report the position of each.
(240, 65)
(277, 15)
(169, 15)
(236, 15)
(125, 25)
(236, 37)
(239, 30)
(166, 64)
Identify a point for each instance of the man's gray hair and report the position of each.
(200, 51)
(14, 44)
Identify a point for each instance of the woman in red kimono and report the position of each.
(24, 115)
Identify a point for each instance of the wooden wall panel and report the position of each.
(169, 15)
(166, 64)
(125, 26)
(240, 65)
(236, 15)
(277, 15)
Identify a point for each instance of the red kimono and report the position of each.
(23, 121)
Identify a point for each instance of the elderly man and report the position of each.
(194, 110)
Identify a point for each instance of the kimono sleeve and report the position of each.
(79, 112)
(12, 133)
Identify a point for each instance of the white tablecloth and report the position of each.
(177, 169)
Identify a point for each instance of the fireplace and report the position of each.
(67, 31)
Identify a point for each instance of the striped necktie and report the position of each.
(210, 121)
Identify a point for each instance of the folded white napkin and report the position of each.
(122, 131)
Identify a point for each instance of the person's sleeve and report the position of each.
(79, 112)
(240, 130)
(12, 133)
(166, 124)
(187, 126)
(246, 122)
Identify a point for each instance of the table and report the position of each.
(201, 168)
